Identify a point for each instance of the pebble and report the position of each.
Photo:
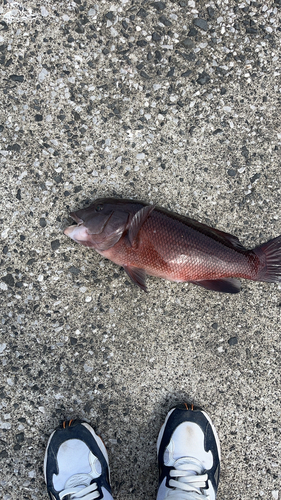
(255, 178)
(231, 172)
(165, 21)
(158, 55)
(55, 244)
(20, 437)
(141, 13)
(44, 12)
(203, 78)
(88, 368)
(192, 32)
(14, 147)
(2, 347)
(159, 5)
(252, 31)
(9, 280)
(187, 43)
(141, 43)
(144, 75)
(187, 73)
(201, 23)
(74, 270)
(156, 37)
(17, 78)
(211, 12)
(42, 75)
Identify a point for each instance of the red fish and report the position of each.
(145, 239)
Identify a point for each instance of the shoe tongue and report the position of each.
(78, 481)
(188, 464)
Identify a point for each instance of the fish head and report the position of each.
(100, 225)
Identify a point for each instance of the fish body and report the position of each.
(145, 239)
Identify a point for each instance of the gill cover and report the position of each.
(104, 225)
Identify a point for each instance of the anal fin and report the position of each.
(137, 276)
(225, 285)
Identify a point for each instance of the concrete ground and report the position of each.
(176, 103)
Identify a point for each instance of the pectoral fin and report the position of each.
(110, 241)
(226, 285)
(137, 221)
(137, 276)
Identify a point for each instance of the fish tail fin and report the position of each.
(270, 256)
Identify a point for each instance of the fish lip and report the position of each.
(69, 229)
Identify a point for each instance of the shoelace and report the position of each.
(75, 490)
(189, 482)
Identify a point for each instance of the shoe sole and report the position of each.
(162, 430)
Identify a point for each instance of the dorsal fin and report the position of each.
(221, 236)
(226, 237)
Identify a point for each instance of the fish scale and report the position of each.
(177, 252)
(150, 240)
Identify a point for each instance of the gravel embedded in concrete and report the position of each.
(176, 103)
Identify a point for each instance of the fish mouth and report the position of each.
(68, 230)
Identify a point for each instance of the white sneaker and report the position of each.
(188, 456)
(76, 464)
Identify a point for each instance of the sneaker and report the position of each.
(188, 456)
(76, 464)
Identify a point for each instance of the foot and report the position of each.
(76, 464)
(188, 456)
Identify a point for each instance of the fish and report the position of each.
(148, 240)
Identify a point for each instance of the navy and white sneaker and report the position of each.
(76, 464)
(188, 456)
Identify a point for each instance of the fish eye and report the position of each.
(99, 208)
